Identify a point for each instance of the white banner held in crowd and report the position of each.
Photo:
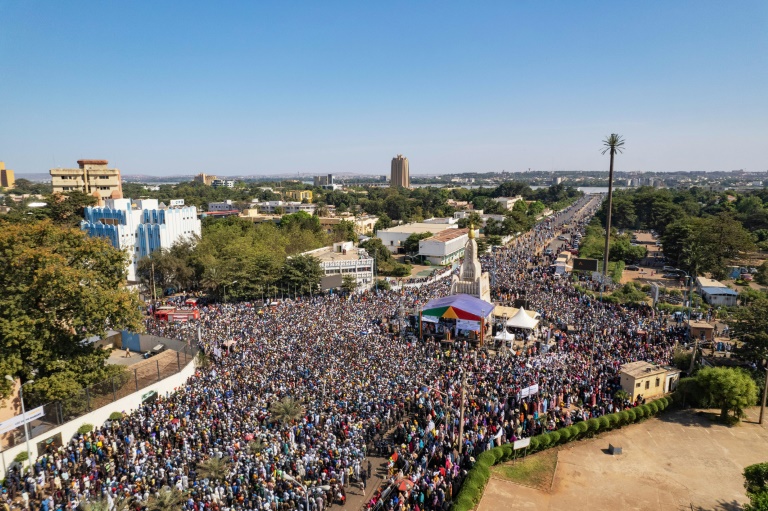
(529, 391)
(15, 422)
(466, 324)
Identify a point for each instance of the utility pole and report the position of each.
(461, 414)
(765, 391)
(693, 357)
(154, 288)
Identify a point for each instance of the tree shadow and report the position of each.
(722, 505)
(688, 417)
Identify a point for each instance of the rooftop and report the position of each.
(327, 254)
(418, 228)
(641, 369)
(448, 235)
(92, 162)
(705, 282)
(703, 325)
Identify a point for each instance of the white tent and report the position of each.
(505, 336)
(522, 320)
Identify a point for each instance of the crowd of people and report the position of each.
(364, 391)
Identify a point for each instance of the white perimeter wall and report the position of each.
(100, 416)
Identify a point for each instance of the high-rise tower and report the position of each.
(400, 178)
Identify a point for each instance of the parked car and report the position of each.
(669, 268)
(670, 276)
(746, 276)
(562, 238)
(632, 267)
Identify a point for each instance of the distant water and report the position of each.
(585, 189)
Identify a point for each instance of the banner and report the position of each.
(18, 421)
(466, 324)
(521, 444)
(430, 319)
(529, 391)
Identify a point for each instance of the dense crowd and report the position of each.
(357, 381)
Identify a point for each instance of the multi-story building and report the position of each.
(206, 179)
(299, 195)
(277, 206)
(394, 237)
(140, 227)
(444, 247)
(7, 180)
(224, 183)
(400, 176)
(323, 180)
(344, 259)
(508, 202)
(91, 177)
(221, 206)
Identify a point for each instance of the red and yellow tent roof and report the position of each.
(458, 307)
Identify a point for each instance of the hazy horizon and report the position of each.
(272, 88)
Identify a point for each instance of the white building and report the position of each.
(226, 183)
(221, 206)
(471, 280)
(271, 207)
(715, 292)
(394, 237)
(344, 259)
(444, 247)
(508, 202)
(140, 227)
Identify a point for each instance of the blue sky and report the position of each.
(232, 88)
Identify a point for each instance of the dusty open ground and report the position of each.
(679, 461)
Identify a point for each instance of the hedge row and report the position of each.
(472, 489)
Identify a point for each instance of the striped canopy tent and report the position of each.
(458, 307)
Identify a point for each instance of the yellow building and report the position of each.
(91, 177)
(299, 195)
(647, 380)
(206, 179)
(7, 180)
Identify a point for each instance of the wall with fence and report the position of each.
(94, 404)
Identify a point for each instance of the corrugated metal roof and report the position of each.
(719, 291)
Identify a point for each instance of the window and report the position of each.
(647, 384)
(638, 385)
(658, 381)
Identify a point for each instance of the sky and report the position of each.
(289, 87)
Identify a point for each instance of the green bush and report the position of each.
(498, 454)
(544, 441)
(604, 422)
(554, 437)
(509, 452)
(484, 472)
(653, 407)
(85, 428)
(639, 412)
(21, 457)
(632, 414)
(593, 425)
(486, 458)
(477, 479)
(566, 434)
(614, 420)
(582, 427)
(624, 417)
(116, 416)
(534, 444)
(463, 503)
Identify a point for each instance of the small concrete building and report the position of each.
(702, 331)
(644, 379)
(344, 259)
(394, 237)
(444, 247)
(716, 293)
(299, 195)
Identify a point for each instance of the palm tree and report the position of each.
(613, 144)
(101, 504)
(167, 499)
(213, 469)
(286, 410)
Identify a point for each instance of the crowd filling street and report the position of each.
(365, 390)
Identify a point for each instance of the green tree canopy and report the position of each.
(731, 390)
(59, 287)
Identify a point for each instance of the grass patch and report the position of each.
(535, 471)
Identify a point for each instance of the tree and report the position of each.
(384, 222)
(344, 231)
(348, 283)
(213, 469)
(731, 390)
(167, 499)
(411, 244)
(762, 274)
(755, 479)
(286, 410)
(613, 144)
(68, 209)
(302, 272)
(57, 288)
(749, 324)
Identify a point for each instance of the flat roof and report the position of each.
(705, 282)
(701, 325)
(418, 228)
(326, 254)
(641, 369)
(448, 235)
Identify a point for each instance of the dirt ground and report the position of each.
(678, 461)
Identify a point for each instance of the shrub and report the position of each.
(477, 479)
(566, 434)
(632, 414)
(593, 425)
(624, 417)
(116, 416)
(85, 428)
(463, 503)
(554, 437)
(639, 412)
(604, 422)
(484, 473)
(544, 441)
(614, 420)
(509, 451)
(534, 443)
(582, 427)
(498, 454)
(486, 458)
(653, 407)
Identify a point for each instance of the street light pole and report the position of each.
(23, 413)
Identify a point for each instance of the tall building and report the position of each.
(142, 226)
(400, 178)
(92, 177)
(323, 180)
(206, 179)
(7, 180)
